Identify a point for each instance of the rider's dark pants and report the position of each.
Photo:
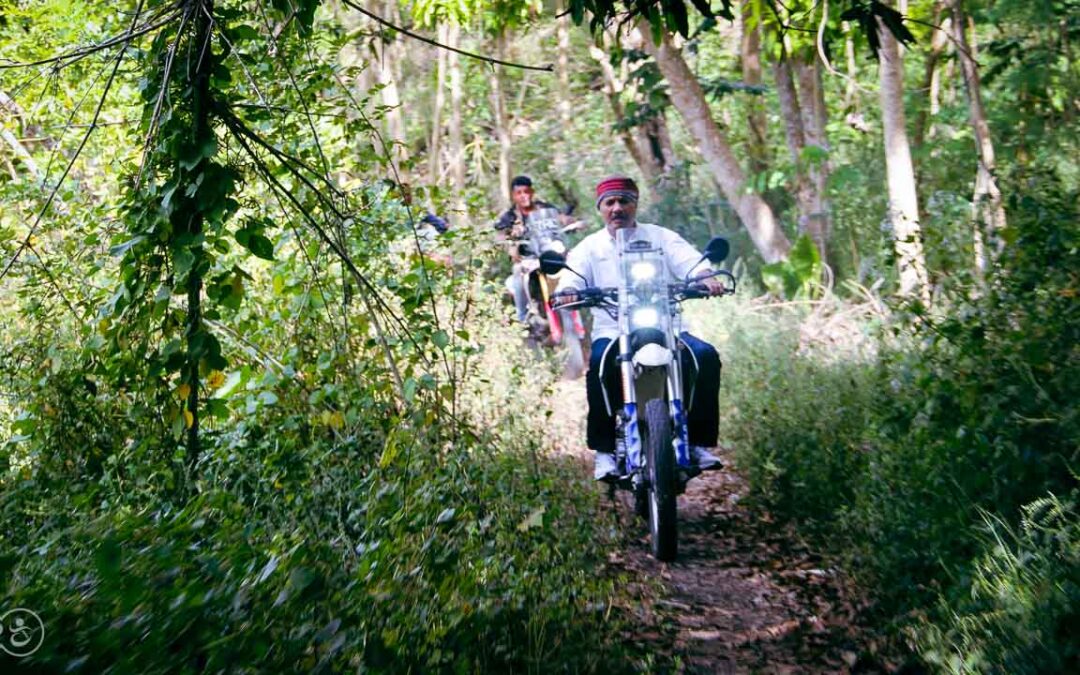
(703, 421)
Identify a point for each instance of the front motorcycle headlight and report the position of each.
(644, 317)
(642, 271)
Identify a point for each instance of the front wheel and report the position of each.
(663, 486)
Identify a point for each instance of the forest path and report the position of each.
(746, 595)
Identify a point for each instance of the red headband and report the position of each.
(620, 185)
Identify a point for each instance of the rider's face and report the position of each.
(522, 196)
(618, 211)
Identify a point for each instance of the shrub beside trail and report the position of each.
(935, 450)
(351, 534)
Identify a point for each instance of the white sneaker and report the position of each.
(606, 468)
(703, 459)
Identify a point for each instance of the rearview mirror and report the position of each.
(552, 262)
(716, 251)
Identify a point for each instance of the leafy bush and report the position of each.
(1024, 607)
(459, 563)
(328, 529)
(893, 448)
(797, 425)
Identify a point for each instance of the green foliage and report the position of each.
(867, 15)
(797, 274)
(670, 15)
(328, 529)
(1021, 615)
(892, 452)
(795, 409)
(370, 490)
(323, 526)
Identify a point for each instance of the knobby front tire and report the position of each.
(663, 485)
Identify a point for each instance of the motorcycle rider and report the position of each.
(595, 258)
(511, 224)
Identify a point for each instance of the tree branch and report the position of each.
(479, 57)
(78, 151)
(342, 255)
(79, 54)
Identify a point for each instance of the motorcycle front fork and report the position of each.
(627, 432)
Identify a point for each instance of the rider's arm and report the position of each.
(508, 230)
(578, 260)
(684, 258)
(506, 220)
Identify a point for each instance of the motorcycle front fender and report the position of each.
(652, 355)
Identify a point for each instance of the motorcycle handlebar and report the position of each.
(585, 297)
(591, 297)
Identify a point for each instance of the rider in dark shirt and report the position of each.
(512, 226)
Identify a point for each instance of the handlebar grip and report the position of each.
(695, 290)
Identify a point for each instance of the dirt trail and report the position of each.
(745, 595)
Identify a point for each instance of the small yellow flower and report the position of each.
(337, 420)
(215, 379)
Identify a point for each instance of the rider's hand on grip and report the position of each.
(697, 289)
(709, 283)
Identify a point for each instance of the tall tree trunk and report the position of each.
(903, 199)
(435, 147)
(802, 110)
(651, 136)
(502, 125)
(987, 206)
(794, 133)
(815, 118)
(613, 87)
(852, 84)
(750, 57)
(689, 99)
(931, 83)
(562, 94)
(457, 143)
(394, 126)
(200, 72)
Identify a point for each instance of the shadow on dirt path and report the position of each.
(746, 594)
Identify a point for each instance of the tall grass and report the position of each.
(933, 451)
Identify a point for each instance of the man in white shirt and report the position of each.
(596, 259)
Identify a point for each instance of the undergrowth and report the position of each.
(330, 531)
(934, 450)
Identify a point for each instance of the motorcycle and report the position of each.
(652, 444)
(544, 232)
